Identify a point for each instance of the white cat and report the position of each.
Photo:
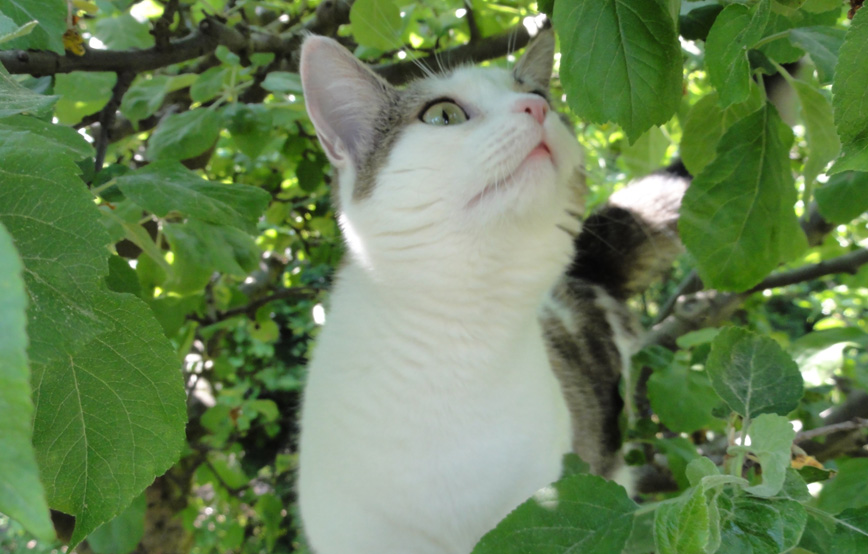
(431, 409)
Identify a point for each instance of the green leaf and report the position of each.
(123, 32)
(736, 29)
(122, 534)
(781, 51)
(737, 216)
(201, 248)
(821, 353)
(63, 253)
(81, 93)
(844, 197)
(822, 44)
(705, 124)
(209, 83)
(48, 35)
(681, 525)
(377, 24)
(122, 406)
(59, 138)
(851, 535)
(823, 143)
(167, 186)
(695, 24)
(581, 512)
(850, 97)
(681, 397)
(147, 95)
(759, 526)
(10, 30)
(699, 469)
(250, 126)
(573, 465)
(21, 494)
(621, 62)
(753, 374)
(108, 394)
(184, 135)
(849, 489)
(771, 442)
(680, 453)
(15, 99)
(282, 81)
(646, 154)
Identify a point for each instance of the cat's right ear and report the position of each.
(343, 97)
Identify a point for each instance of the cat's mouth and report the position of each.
(540, 151)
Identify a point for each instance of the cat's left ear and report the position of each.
(344, 99)
(538, 61)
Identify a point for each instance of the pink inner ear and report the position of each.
(343, 98)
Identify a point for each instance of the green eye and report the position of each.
(444, 113)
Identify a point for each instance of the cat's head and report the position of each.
(453, 162)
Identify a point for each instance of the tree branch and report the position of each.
(709, 308)
(210, 34)
(488, 48)
(848, 263)
(855, 423)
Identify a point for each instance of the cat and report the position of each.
(431, 408)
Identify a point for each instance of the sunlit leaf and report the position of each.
(22, 496)
(621, 62)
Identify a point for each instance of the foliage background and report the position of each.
(167, 244)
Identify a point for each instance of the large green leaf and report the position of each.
(844, 197)
(167, 186)
(621, 62)
(849, 489)
(48, 35)
(736, 29)
(110, 418)
(753, 374)
(851, 534)
(681, 525)
(15, 99)
(579, 513)
(63, 252)
(759, 526)
(822, 44)
(184, 135)
(376, 23)
(108, 394)
(737, 217)
(850, 98)
(58, 138)
(21, 494)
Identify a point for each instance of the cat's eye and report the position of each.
(443, 113)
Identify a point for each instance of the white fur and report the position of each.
(431, 410)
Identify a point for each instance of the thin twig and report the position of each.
(848, 263)
(852, 425)
(108, 113)
(472, 25)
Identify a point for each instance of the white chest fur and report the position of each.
(424, 426)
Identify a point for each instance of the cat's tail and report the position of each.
(633, 239)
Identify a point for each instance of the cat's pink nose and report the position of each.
(536, 107)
